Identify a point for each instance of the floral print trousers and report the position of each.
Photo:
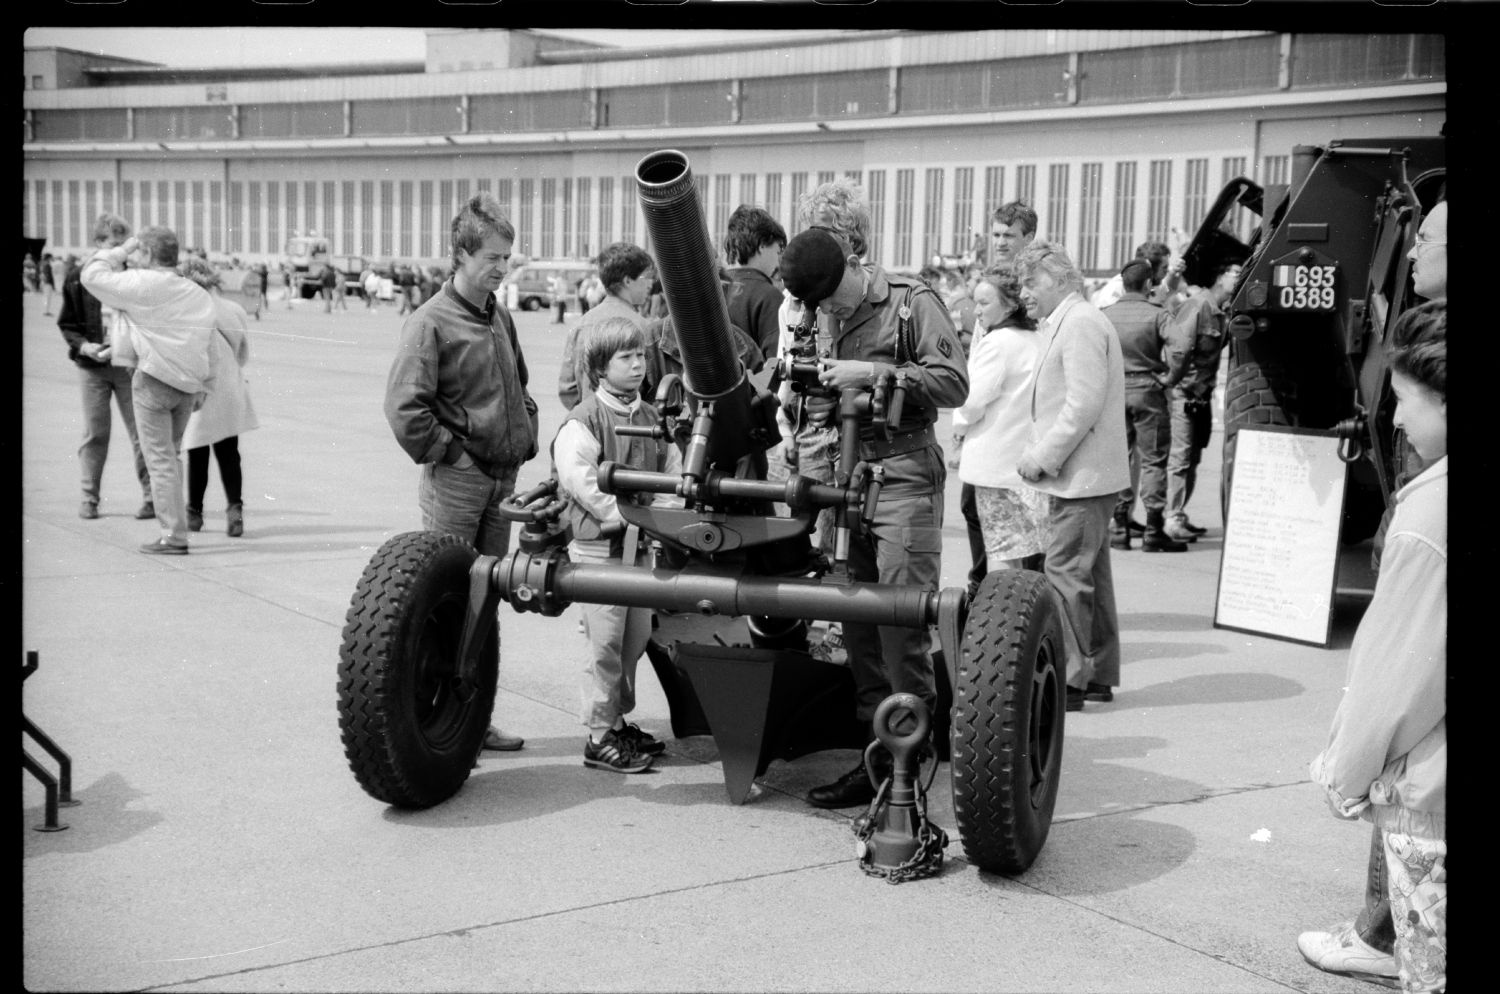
(1417, 875)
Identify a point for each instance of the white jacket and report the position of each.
(164, 323)
(995, 420)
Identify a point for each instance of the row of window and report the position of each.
(1240, 65)
(1102, 219)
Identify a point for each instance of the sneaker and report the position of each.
(88, 510)
(614, 753)
(1178, 531)
(1101, 692)
(1196, 530)
(1341, 950)
(195, 520)
(161, 547)
(147, 510)
(1076, 698)
(640, 740)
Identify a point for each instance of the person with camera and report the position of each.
(1194, 351)
(883, 325)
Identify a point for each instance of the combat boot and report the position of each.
(1119, 531)
(1156, 538)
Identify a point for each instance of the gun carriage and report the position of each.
(418, 664)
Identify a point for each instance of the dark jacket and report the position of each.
(753, 304)
(81, 319)
(458, 384)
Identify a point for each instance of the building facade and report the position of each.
(1114, 137)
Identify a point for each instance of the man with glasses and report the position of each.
(1079, 456)
(1429, 254)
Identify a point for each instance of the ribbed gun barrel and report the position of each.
(689, 271)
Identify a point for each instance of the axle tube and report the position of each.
(548, 583)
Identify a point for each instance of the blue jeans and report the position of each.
(99, 386)
(161, 417)
(466, 503)
(1374, 924)
(1148, 430)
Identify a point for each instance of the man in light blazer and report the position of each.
(1078, 455)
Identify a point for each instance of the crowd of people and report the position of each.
(1068, 411)
(1065, 415)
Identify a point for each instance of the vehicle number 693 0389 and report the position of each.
(1310, 288)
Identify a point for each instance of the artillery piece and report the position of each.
(418, 664)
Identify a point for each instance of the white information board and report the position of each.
(1281, 539)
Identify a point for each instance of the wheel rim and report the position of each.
(1044, 715)
(438, 706)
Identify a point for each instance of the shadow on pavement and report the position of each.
(1104, 855)
(1210, 688)
(103, 819)
(1163, 622)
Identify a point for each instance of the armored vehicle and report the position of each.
(1325, 275)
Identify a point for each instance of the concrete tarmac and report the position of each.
(222, 843)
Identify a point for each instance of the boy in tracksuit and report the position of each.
(616, 636)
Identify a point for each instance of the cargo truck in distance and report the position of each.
(308, 256)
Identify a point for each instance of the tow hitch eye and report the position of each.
(1351, 433)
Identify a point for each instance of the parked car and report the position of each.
(533, 282)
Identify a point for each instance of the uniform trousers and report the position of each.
(905, 546)
(1182, 461)
(1148, 429)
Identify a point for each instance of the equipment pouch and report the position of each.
(1200, 415)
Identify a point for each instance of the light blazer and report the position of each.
(1078, 404)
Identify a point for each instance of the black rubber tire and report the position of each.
(409, 736)
(530, 303)
(1255, 394)
(1007, 732)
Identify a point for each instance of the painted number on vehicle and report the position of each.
(1305, 288)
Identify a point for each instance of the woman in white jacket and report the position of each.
(227, 413)
(993, 426)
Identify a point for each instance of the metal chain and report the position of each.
(927, 861)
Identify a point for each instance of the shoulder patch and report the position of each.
(945, 347)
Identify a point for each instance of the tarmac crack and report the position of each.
(465, 930)
(1198, 798)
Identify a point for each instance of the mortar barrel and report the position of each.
(688, 266)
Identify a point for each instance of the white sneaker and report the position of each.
(1340, 950)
